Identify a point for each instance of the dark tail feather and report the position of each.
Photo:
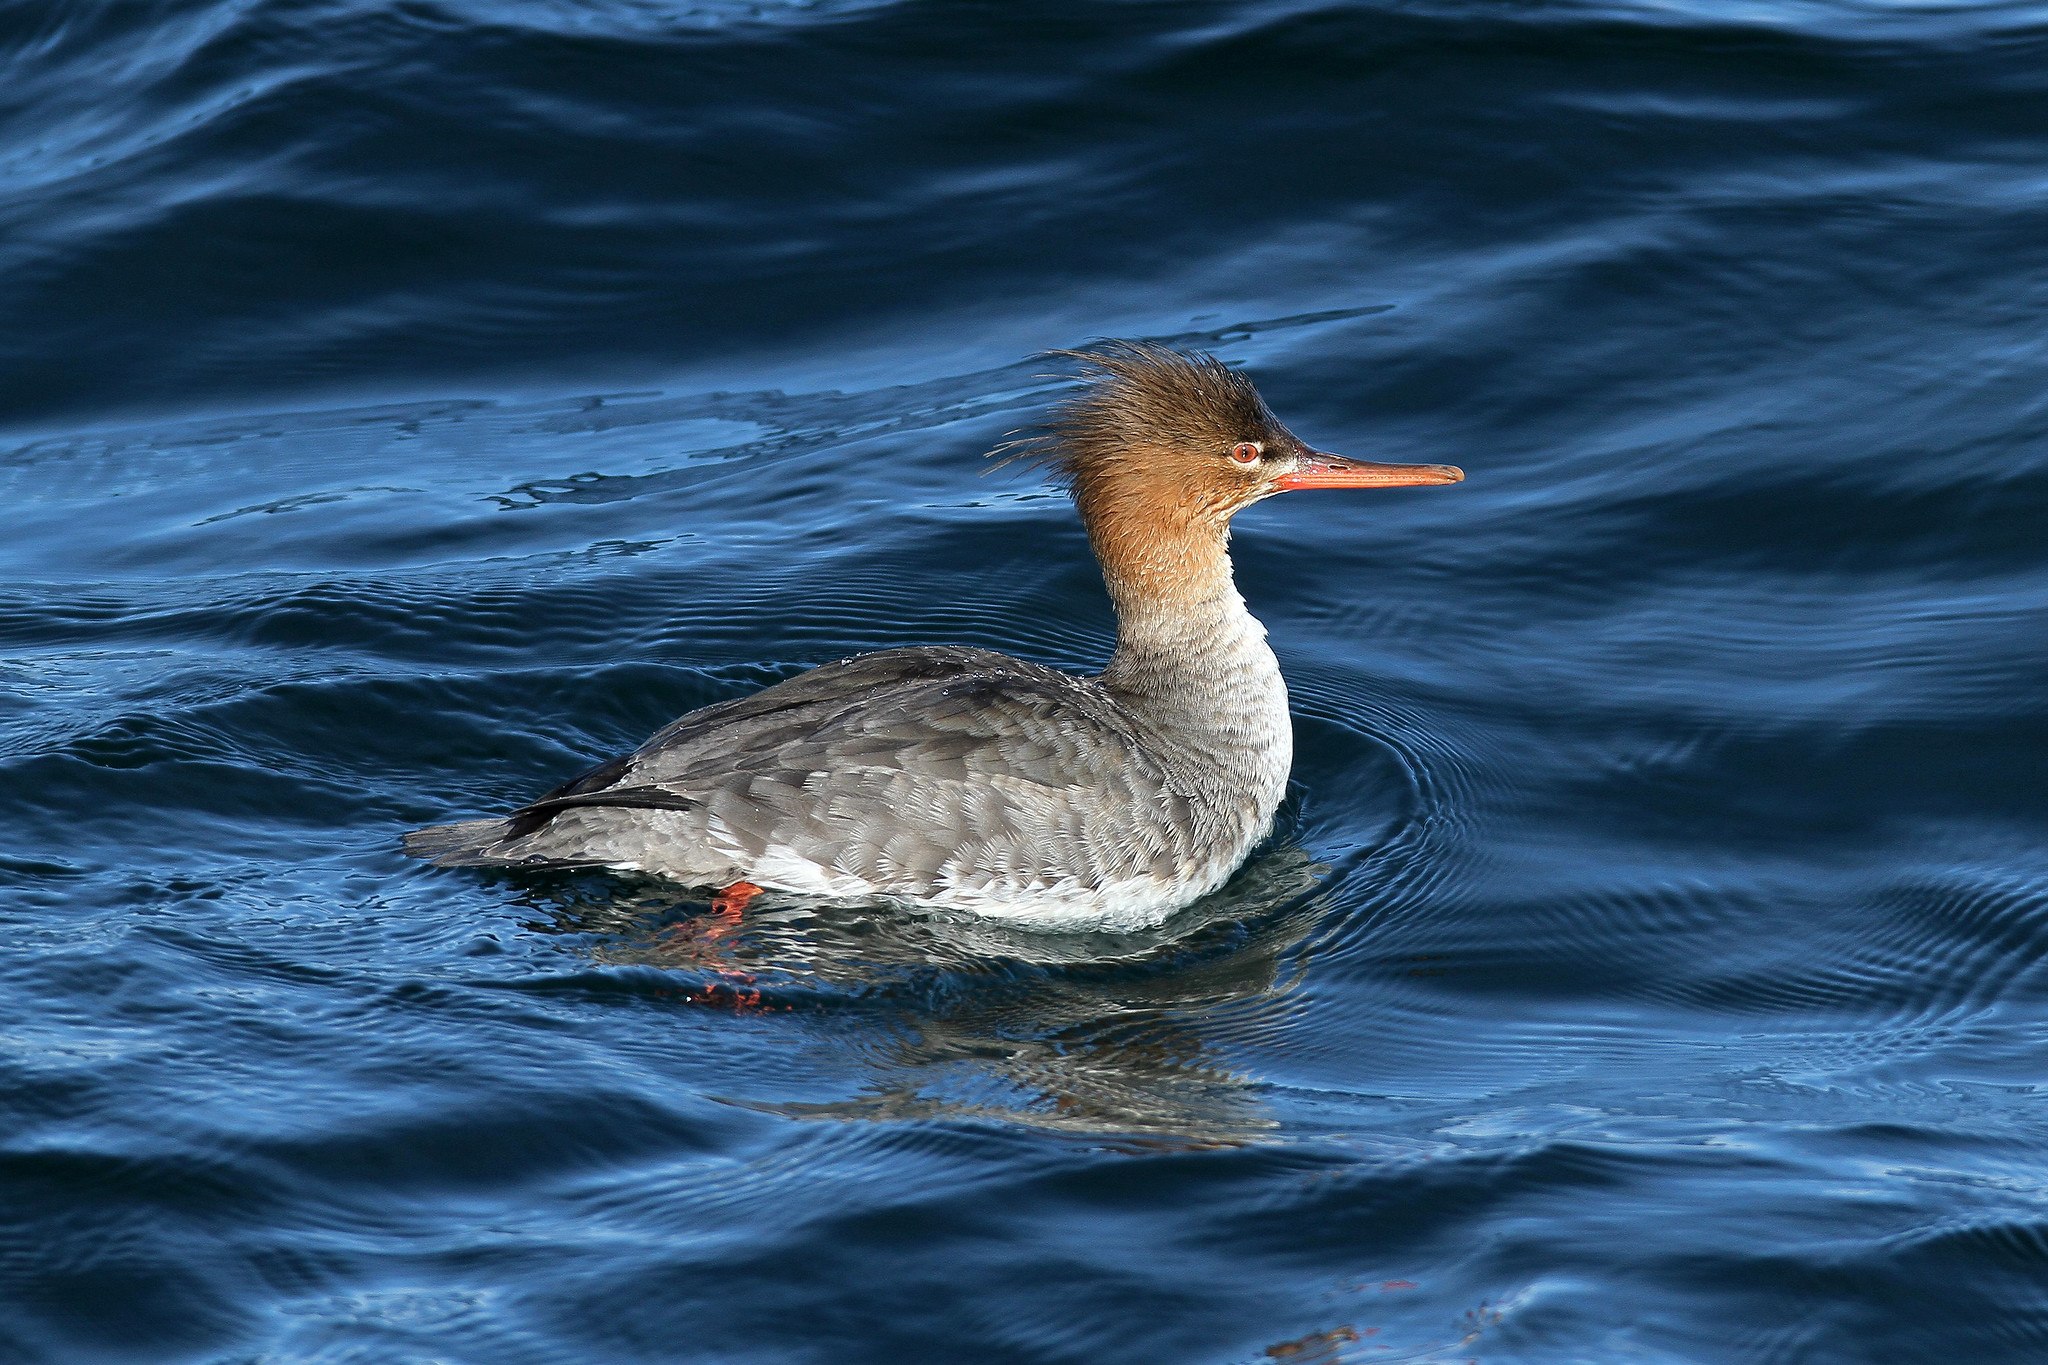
(467, 843)
(489, 843)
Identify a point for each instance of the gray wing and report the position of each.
(725, 730)
(909, 770)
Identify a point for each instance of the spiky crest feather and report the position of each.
(1140, 396)
(1143, 445)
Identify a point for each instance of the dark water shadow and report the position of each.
(1119, 1035)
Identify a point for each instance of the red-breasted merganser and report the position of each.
(962, 778)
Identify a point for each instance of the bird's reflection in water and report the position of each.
(1116, 1034)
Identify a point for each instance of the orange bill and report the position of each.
(1320, 469)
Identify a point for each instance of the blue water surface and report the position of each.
(404, 405)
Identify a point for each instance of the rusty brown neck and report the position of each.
(1192, 667)
(1169, 575)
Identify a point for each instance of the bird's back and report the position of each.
(948, 775)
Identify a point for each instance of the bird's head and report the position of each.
(1158, 445)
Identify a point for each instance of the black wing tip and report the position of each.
(529, 818)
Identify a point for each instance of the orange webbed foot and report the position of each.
(731, 902)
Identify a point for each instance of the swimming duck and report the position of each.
(962, 778)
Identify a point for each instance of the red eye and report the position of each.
(1245, 452)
